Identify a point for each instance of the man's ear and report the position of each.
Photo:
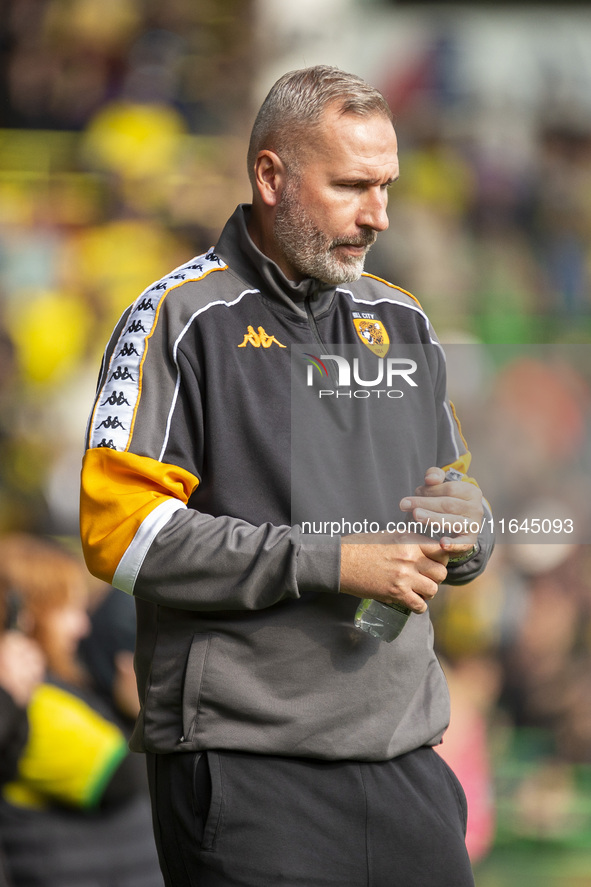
(269, 173)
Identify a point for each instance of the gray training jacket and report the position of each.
(190, 484)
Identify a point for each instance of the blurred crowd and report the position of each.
(74, 810)
(122, 128)
(490, 222)
(120, 156)
(516, 643)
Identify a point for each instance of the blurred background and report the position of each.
(123, 128)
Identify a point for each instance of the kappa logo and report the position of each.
(372, 332)
(259, 339)
(111, 422)
(116, 399)
(136, 326)
(145, 305)
(121, 374)
(127, 350)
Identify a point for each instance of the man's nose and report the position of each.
(372, 213)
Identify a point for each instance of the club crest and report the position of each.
(372, 333)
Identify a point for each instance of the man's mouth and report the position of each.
(357, 247)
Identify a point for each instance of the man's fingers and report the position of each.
(453, 514)
(452, 510)
(424, 588)
(458, 544)
(456, 489)
(434, 570)
(407, 572)
(446, 506)
(434, 476)
(416, 603)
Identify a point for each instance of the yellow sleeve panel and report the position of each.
(118, 491)
(71, 753)
(462, 464)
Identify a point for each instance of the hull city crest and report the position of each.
(372, 332)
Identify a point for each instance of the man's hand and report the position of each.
(388, 567)
(456, 506)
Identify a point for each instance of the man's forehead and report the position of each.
(369, 137)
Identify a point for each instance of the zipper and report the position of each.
(312, 321)
(318, 338)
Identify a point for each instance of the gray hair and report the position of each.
(295, 105)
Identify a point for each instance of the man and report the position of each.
(284, 747)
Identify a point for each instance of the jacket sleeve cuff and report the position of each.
(463, 573)
(318, 562)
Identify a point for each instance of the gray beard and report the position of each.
(307, 248)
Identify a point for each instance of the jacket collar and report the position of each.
(237, 249)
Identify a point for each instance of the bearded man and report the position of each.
(284, 746)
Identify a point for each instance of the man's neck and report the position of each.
(261, 232)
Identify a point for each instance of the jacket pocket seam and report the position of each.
(190, 726)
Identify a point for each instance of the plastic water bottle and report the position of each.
(383, 621)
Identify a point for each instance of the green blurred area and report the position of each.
(535, 866)
(543, 811)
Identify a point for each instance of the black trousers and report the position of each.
(232, 819)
